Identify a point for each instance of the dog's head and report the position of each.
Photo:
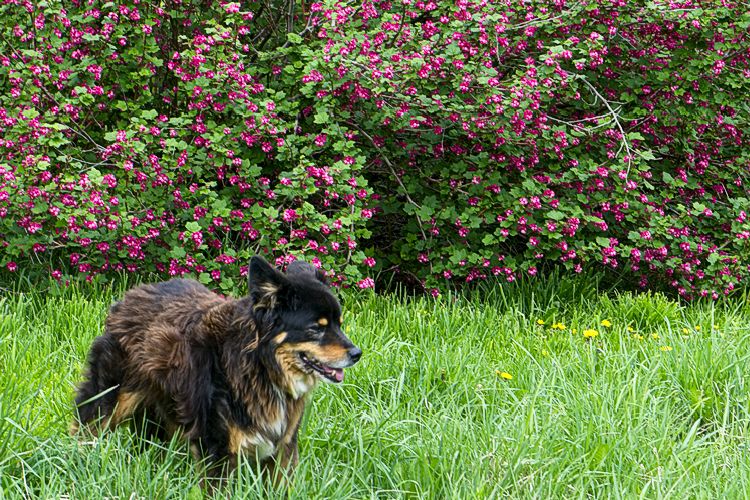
(306, 336)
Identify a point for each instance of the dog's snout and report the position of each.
(355, 353)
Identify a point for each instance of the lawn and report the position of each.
(457, 397)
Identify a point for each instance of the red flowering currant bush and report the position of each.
(509, 136)
(167, 138)
(452, 141)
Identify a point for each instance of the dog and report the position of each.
(231, 375)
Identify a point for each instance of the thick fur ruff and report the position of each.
(231, 375)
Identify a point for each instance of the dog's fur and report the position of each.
(230, 374)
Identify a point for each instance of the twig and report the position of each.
(616, 118)
(398, 179)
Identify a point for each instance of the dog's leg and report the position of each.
(216, 470)
(127, 403)
(288, 456)
(97, 397)
(281, 469)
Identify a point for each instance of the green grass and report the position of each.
(425, 413)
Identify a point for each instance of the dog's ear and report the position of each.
(302, 267)
(266, 285)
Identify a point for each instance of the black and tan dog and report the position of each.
(230, 374)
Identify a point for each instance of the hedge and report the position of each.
(437, 142)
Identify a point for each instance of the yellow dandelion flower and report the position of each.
(558, 326)
(630, 329)
(685, 331)
(505, 375)
(639, 336)
(665, 348)
(697, 328)
(655, 336)
(606, 323)
(545, 352)
(574, 331)
(540, 322)
(590, 333)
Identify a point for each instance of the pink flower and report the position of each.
(197, 238)
(366, 283)
(289, 215)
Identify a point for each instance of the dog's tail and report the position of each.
(97, 395)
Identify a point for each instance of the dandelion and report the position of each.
(606, 323)
(665, 348)
(685, 331)
(630, 329)
(590, 333)
(697, 328)
(655, 336)
(540, 322)
(558, 326)
(638, 336)
(505, 375)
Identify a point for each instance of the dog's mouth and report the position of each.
(335, 375)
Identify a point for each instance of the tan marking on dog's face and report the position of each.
(323, 322)
(127, 402)
(297, 381)
(278, 339)
(329, 353)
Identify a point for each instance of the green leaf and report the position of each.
(177, 252)
(322, 117)
(30, 113)
(149, 114)
(647, 155)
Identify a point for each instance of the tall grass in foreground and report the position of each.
(453, 398)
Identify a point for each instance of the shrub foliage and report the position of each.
(441, 141)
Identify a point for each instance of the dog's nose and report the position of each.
(355, 353)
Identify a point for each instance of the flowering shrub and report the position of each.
(166, 140)
(447, 142)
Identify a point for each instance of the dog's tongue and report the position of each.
(338, 374)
